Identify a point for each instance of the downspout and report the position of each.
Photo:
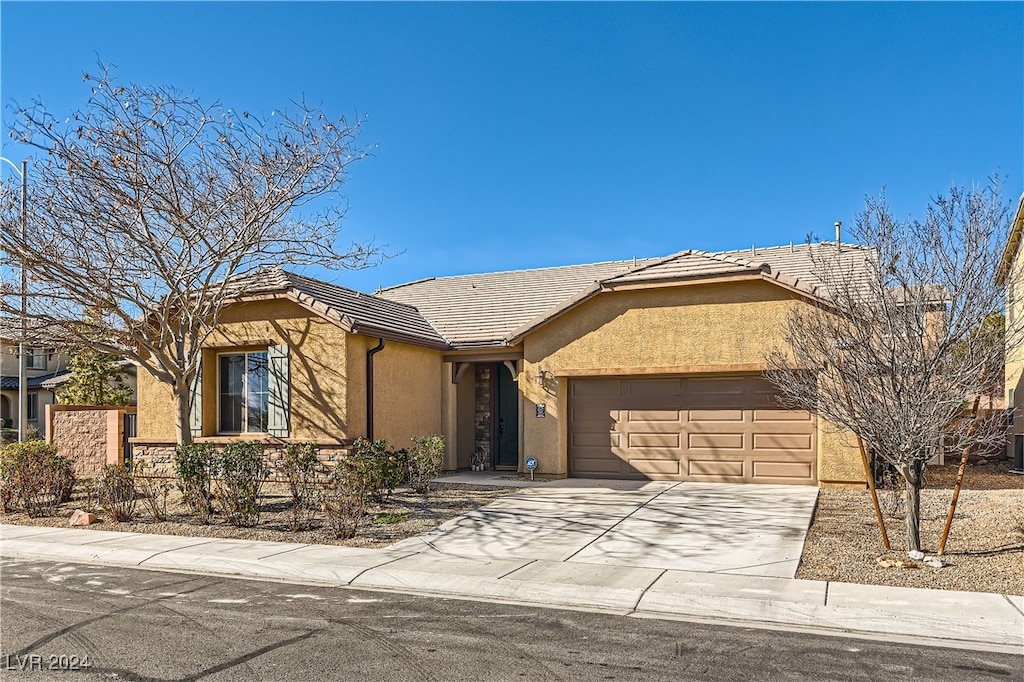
(369, 387)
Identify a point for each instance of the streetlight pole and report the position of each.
(22, 359)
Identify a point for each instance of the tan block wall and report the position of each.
(727, 327)
(407, 390)
(91, 437)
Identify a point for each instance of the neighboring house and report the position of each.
(44, 363)
(128, 374)
(1011, 273)
(629, 369)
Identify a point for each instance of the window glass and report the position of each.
(256, 399)
(232, 383)
(32, 408)
(243, 392)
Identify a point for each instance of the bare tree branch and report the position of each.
(148, 203)
(912, 327)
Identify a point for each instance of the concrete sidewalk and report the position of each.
(943, 618)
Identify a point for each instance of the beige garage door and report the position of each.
(708, 428)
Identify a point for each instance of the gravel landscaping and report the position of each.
(405, 514)
(984, 553)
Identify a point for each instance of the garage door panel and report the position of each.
(653, 440)
(782, 472)
(656, 467)
(653, 416)
(715, 415)
(715, 441)
(781, 416)
(714, 468)
(782, 441)
(707, 428)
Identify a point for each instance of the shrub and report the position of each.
(300, 466)
(35, 478)
(426, 457)
(379, 468)
(115, 491)
(193, 466)
(344, 501)
(240, 471)
(155, 491)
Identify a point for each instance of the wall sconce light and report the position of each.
(541, 374)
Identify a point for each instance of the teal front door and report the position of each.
(507, 409)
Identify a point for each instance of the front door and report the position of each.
(507, 410)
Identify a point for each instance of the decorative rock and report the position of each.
(934, 562)
(915, 555)
(81, 518)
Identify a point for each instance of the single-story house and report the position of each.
(629, 369)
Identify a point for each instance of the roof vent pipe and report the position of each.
(839, 235)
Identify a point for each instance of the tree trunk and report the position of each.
(912, 476)
(181, 421)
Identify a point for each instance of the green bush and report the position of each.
(301, 467)
(240, 472)
(34, 478)
(116, 492)
(154, 490)
(378, 468)
(426, 458)
(193, 466)
(344, 500)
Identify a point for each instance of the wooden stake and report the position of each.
(868, 474)
(960, 476)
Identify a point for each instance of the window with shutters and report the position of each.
(243, 392)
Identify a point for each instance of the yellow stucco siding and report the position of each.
(156, 408)
(726, 327)
(1014, 348)
(317, 368)
(407, 390)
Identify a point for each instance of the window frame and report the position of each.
(245, 391)
(32, 407)
(35, 358)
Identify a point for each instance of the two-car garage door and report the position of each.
(706, 428)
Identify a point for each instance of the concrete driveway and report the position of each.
(706, 527)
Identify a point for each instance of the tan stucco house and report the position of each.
(629, 369)
(1011, 273)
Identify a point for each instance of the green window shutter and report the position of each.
(277, 389)
(195, 403)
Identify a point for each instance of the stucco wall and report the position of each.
(1014, 349)
(326, 377)
(407, 390)
(725, 327)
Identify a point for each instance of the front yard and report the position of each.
(404, 514)
(984, 553)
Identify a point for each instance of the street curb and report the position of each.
(987, 622)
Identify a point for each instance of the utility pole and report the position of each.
(22, 360)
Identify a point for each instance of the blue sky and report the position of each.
(529, 135)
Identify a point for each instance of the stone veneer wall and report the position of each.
(159, 457)
(482, 412)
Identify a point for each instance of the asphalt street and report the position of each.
(77, 622)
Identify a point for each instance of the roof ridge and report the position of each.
(509, 272)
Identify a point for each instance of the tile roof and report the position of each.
(484, 309)
(355, 311)
(9, 383)
(492, 308)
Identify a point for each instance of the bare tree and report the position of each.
(148, 203)
(904, 338)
